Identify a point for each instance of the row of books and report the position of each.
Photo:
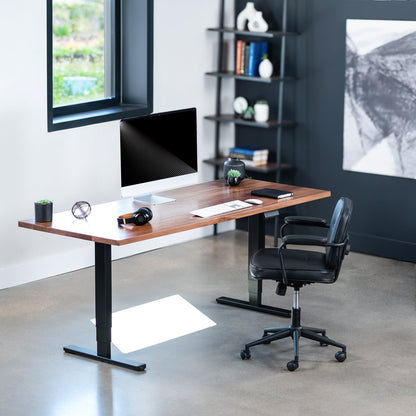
(251, 156)
(248, 57)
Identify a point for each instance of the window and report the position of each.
(78, 51)
(100, 61)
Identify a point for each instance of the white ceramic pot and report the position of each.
(245, 15)
(256, 23)
(265, 68)
(261, 112)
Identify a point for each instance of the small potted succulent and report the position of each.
(43, 210)
(248, 114)
(233, 177)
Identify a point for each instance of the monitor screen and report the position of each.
(158, 146)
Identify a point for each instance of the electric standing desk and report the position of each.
(102, 228)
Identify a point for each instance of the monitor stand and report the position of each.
(152, 199)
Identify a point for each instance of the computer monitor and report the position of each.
(155, 150)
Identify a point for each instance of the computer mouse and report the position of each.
(254, 201)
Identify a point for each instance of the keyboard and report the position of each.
(220, 208)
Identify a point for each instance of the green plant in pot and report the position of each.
(261, 111)
(248, 114)
(43, 210)
(234, 177)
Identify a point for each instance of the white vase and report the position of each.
(245, 15)
(256, 23)
(265, 68)
(261, 112)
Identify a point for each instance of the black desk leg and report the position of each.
(256, 240)
(103, 311)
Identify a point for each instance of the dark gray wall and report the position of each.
(384, 218)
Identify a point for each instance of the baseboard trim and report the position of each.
(383, 247)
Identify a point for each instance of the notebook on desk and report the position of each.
(272, 193)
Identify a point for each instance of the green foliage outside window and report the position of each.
(78, 51)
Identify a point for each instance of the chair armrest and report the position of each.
(312, 240)
(305, 221)
(304, 240)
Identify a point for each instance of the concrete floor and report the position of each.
(371, 309)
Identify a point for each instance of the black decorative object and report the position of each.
(43, 210)
(234, 163)
(81, 209)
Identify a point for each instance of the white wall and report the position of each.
(83, 163)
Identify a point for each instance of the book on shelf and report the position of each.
(249, 155)
(248, 57)
(244, 64)
(238, 58)
(249, 151)
(254, 164)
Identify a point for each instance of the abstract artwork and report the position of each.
(380, 97)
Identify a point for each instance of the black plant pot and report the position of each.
(233, 181)
(43, 212)
(234, 163)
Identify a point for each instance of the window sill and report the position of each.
(98, 116)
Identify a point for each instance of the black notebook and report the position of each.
(272, 193)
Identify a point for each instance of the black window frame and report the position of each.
(133, 80)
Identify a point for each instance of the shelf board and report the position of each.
(266, 168)
(231, 74)
(231, 118)
(269, 34)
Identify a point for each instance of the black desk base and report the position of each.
(103, 312)
(256, 241)
(103, 299)
(118, 361)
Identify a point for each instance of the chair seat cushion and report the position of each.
(301, 266)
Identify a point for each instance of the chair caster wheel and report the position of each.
(340, 356)
(292, 365)
(245, 354)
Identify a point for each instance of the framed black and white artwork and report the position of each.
(380, 97)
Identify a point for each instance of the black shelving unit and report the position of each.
(276, 83)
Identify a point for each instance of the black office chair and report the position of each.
(296, 268)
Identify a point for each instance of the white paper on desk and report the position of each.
(220, 208)
(156, 322)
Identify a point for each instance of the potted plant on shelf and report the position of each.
(261, 111)
(43, 210)
(248, 114)
(233, 177)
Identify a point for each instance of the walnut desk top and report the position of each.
(101, 225)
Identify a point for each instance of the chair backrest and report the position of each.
(338, 233)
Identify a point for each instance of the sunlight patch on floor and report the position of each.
(156, 322)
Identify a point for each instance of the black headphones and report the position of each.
(140, 217)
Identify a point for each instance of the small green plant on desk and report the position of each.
(233, 177)
(43, 210)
